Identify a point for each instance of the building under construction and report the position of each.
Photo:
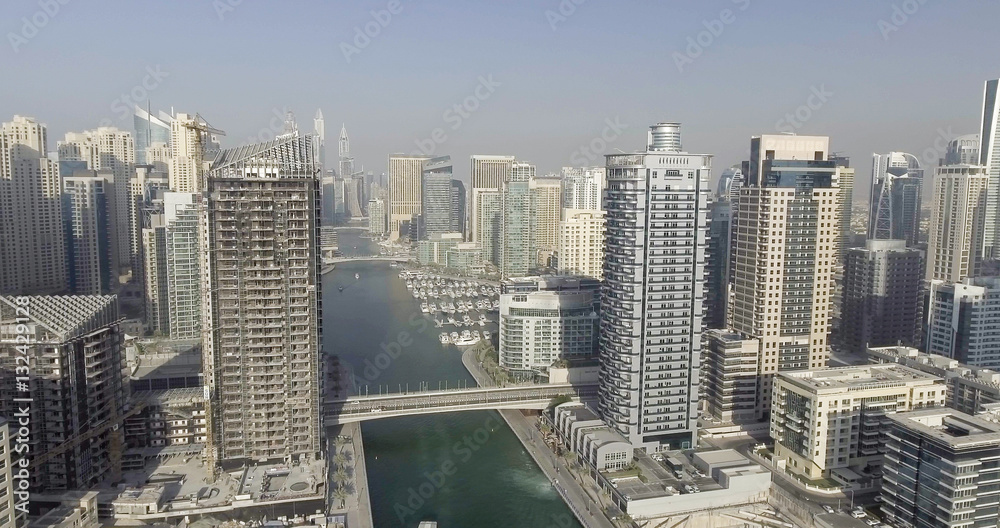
(76, 385)
(262, 332)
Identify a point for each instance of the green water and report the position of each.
(463, 470)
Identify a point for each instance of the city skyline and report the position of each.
(873, 115)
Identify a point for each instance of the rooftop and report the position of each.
(955, 429)
(854, 378)
(65, 316)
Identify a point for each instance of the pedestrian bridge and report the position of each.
(362, 408)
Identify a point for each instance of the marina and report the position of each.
(455, 302)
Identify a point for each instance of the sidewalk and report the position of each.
(357, 506)
(582, 504)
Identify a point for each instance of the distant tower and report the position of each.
(346, 161)
(319, 127)
(291, 127)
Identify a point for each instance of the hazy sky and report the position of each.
(555, 72)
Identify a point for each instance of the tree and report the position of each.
(340, 460)
(340, 494)
(340, 477)
(558, 400)
(340, 441)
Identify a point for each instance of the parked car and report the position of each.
(828, 509)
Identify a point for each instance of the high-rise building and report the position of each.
(845, 202)
(108, 148)
(188, 154)
(785, 243)
(262, 340)
(150, 131)
(782, 147)
(882, 295)
(717, 263)
(458, 214)
(963, 319)
(958, 220)
(546, 212)
(87, 198)
(583, 187)
(963, 150)
(487, 176)
(515, 222)
(346, 166)
(730, 183)
(486, 217)
(894, 211)
(182, 214)
(405, 193)
(581, 243)
(32, 241)
(989, 157)
(155, 283)
(376, 217)
(828, 420)
(546, 319)
(435, 196)
(319, 136)
(77, 383)
(652, 302)
(940, 471)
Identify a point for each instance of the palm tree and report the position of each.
(340, 460)
(340, 494)
(339, 441)
(340, 476)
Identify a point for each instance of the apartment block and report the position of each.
(486, 227)
(581, 243)
(583, 187)
(882, 295)
(963, 321)
(547, 319)
(516, 256)
(32, 242)
(78, 389)
(729, 376)
(546, 213)
(941, 469)
(376, 217)
(833, 422)
(88, 197)
(652, 303)
(436, 196)
(955, 248)
(182, 216)
(155, 280)
(405, 190)
(262, 318)
(717, 263)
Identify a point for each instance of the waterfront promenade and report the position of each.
(558, 473)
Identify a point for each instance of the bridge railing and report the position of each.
(461, 398)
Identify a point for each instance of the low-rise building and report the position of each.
(466, 257)
(832, 422)
(546, 319)
(434, 250)
(73, 509)
(941, 469)
(972, 390)
(729, 376)
(600, 447)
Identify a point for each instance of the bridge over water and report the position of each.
(361, 408)
(336, 260)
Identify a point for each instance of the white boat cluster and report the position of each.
(466, 338)
(456, 301)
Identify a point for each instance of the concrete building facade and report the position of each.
(87, 202)
(405, 192)
(963, 321)
(581, 243)
(583, 187)
(546, 213)
(652, 303)
(262, 345)
(955, 248)
(729, 376)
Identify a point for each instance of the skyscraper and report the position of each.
(458, 215)
(154, 249)
(182, 214)
(989, 157)
(546, 212)
(319, 136)
(962, 321)
(489, 172)
(581, 243)
(487, 176)
(150, 130)
(717, 263)
(486, 218)
(583, 187)
(108, 148)
(515, 222)
(436, 196)
(405, 191)
(86, 211)
(882, 294)
(651, 305)
(346, 165)
(262, 344)
(785, 244)
(894, 213)
(730, 184)
(376, 216)
(963, 150)
(958, 220)
(32, 241)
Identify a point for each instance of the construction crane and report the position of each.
(201, 127)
